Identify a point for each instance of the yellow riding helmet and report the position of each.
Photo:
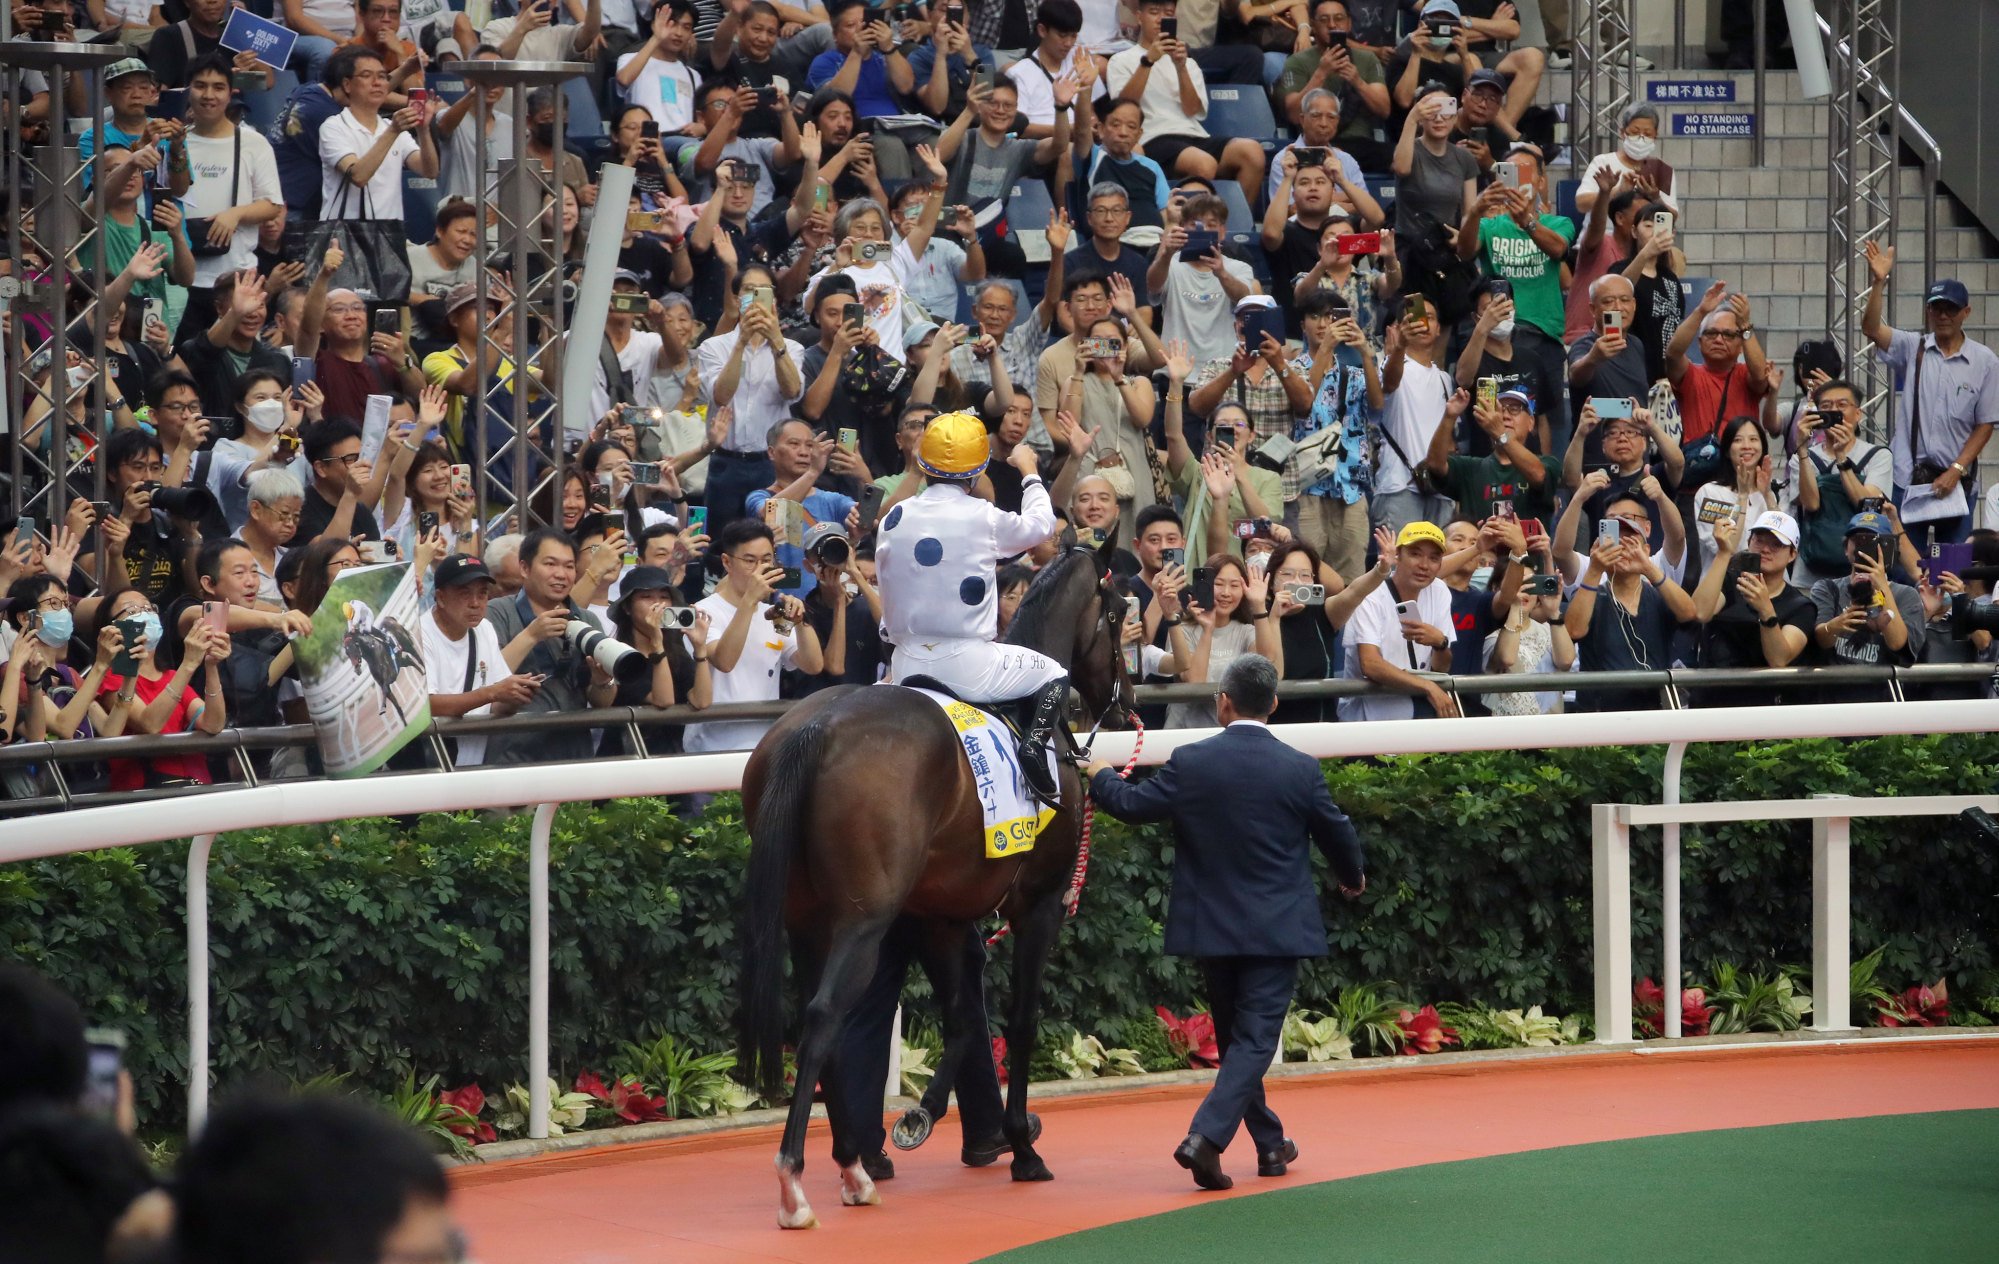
(954, 446)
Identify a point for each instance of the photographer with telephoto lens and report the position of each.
(1864, 618)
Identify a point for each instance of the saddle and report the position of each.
(1007, 712)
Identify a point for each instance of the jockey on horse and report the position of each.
(936, 555)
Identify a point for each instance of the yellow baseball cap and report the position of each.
(1419, 533)
(954, 446)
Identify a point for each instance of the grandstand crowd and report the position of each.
(1290, 298)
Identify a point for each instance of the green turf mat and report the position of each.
(1889, 1188)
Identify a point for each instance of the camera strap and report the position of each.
(471, 657)
(1916, 405)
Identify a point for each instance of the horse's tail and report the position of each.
(776, 837)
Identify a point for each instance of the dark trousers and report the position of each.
(1553, 359)
(732, 476)
(1248, 997)
(862, 1058)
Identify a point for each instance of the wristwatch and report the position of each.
(1173, 620)
(1768, 622)
(1847, 465)
(1145, 61)
(1959, 468)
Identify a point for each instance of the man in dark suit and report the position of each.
(1245, 808)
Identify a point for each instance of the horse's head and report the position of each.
(1075, 613)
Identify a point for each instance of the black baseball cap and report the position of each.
(460, 568)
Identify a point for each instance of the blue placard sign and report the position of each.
(1690, 90)
(1715, 125)
(248, 33)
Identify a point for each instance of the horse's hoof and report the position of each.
(913, 1129)
(857, 1188)
(1031, 1169)
(800, 1219)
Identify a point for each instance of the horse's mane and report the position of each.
(1036, 618)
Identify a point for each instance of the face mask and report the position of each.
(266, 414)
(57, 627)
(1639, 148)
(151, 620)
(1503, 331)
(1481, 578)
(544, 134)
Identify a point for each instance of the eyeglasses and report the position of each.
(282, 515)
(350, 459)
(143, 608)
(1110, 210)
(53, 604)
(188, 406)
(369, 74)
(1726, 335)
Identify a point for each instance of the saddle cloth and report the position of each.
(1013, 819)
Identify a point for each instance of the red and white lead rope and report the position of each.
(1073, 900)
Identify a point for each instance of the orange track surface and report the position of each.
(714, 1198)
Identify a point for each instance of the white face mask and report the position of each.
(266, 414)
(1503, 331)
(1639, 148)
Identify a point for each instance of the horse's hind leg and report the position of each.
(848, 965)
(1033, 943)
(954, 959)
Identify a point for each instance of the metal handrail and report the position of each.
(1911, 129)
(239, 742)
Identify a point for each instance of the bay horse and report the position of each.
(862, 808)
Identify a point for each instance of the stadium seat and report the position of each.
(420, 207)
(1234, 110)
(1241, 221)
(586, 122)
(1029, 206)
(260, 109)
(1691, 289)
(1565, 201)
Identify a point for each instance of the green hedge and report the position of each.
(373, 951)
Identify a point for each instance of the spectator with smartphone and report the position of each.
(337, 503)
(1485, 563)
(1532, 639)
(1114, 162)
(1319, 125)
(364, 156)
(1843, 477)
(531, 627)
(1510, 473)
(799, 458)
(144, 549)
(1400, 630)
(729, 156)
(1161, 76)
(979, 165)
(1418, 397)
(1478, 129)
(1625, 443)
(945, 267)
(1749, 616)
(1521, 241)
(754, 631)
(363, 353)
(1437, 51)
(1294, 226)
(234, 181)
(127, 227)
(461, 648)
(473, 136)
(1625, 612)
(42, 696)
(1606, 238)
(267, 422)
(1349, 70)
(258, 653)
(1235, 622)
(1608, 361)
(1436, 181)
(753, 370)
(1726, 381)
(1490, 365)
(1654, 268)
(1201, 290)
(147, 697)
(867, 62)
(1865, 618)
(740, 53)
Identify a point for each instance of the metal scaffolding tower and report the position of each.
(1605, 79)
(1863, 142)
(57, 248)
(518, 424)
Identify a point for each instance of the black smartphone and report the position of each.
(53, 19)
(649, 129)
(793, 577)
(1863, 593)
(954, 14)
(426, 522)
(387, 320)
(1201, 587)
(1259, 321)
(1201, 242)
(1172, 557)
(104, 1063)
(600, 493)
(852, 315)
(1169, 28)
(126, 660)
(871, 505)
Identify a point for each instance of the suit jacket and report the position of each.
(1245, 809)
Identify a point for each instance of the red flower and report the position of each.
(635, 1104)
(1918, 1007)
(462, 1113)
(999, 1058)
(593, 1084)
(1193, 1036)
(1423, 1031)
(1648, 1008)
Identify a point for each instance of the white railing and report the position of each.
(1832, 819)
(549, 785)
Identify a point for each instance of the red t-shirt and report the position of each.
(130, 774)
(348, 383)
(1703, 408)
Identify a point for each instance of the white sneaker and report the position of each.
(1560, 60)
(1642, 62)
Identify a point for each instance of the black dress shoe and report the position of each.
(878, 1166)
(1198, 1155)
(987, 1152)
(1276, 1162)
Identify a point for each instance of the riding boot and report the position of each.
(1042, 713)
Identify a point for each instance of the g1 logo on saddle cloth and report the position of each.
(1013, 820)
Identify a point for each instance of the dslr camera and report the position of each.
(624, 663)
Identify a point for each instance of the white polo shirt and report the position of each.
(343, 135)
(766, 651)
(1377, 624)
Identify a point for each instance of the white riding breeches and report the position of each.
(977, 671)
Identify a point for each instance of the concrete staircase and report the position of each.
(1762, 229)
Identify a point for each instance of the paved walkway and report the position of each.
(714, 1198)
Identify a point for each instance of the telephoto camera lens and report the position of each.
(623, 662)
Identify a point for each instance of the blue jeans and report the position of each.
(310, 55)
(1273, 69)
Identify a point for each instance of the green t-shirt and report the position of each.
(1510, 252)
(122, 242)
(1194, 494)
(1475, 482)
(1354, 119)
